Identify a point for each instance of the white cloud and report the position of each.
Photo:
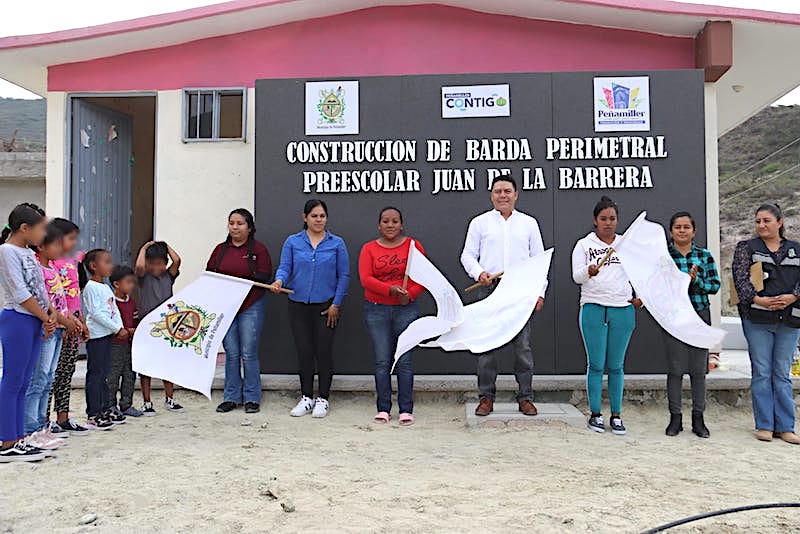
(792, 98)
(9, 90)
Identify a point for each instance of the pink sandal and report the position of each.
(406, 419)
(381, 418)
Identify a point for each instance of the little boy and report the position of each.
(156, 275)
(123, 281)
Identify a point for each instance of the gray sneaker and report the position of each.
(133, 412)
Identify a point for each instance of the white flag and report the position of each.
(179, 340)
(449, 308)
(663, 288)
(484, 325)
(495, 320)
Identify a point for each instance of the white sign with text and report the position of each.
(463, 101)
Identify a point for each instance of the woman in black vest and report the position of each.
(766, 273)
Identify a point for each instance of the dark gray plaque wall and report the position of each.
(408, 107)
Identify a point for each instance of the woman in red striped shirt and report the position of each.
(388, 309)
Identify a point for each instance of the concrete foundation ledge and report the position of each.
(717, 381)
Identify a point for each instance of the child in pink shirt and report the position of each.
(67, 267)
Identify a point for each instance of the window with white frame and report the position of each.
(214, 114)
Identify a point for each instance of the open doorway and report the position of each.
(112, 171)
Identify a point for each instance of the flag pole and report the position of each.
(271, 287)
(492, 278)
(605, 258)
(408, 265)
(251, 282)
(639, 218)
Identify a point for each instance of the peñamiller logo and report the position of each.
(622, 104)
(476, 101)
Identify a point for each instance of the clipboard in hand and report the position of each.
(756, 278)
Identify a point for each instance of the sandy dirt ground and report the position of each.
(206, 472)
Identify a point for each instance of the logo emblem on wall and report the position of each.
(331, 108)
(476, 101)
(622, 104)
(183, 326)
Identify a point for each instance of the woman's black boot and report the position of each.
(675, 425)
(699, 425)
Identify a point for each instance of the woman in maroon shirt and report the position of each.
(242, 256)
(388, 310)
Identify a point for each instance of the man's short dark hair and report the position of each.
(156, 251)
(120, 272)
(505, 178)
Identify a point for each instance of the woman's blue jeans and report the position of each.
(771, 347)
(241, 353)
(36, 398)
(385, 323)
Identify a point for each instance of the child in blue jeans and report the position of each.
(42, 380)
(26, 312)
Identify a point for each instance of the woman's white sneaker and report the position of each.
(321, 408)
(304, 407)
(41, 440)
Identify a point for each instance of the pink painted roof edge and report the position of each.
(664, 7)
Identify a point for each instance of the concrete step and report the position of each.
(716, 381)
(506, 414)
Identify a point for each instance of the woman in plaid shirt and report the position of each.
(698, 263)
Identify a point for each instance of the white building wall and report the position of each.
(198, 184)
(56, 191)
(712, 188)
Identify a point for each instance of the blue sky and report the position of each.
(21, 18)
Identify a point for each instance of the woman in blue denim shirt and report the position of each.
(314, 263)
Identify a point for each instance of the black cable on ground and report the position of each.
(722, 512)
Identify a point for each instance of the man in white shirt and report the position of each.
(495, 240)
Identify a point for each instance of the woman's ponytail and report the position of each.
(25, 213)
(83, 276)
(84, 267)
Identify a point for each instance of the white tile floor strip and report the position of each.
(506, 414)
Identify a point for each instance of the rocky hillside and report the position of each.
(27, 116)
